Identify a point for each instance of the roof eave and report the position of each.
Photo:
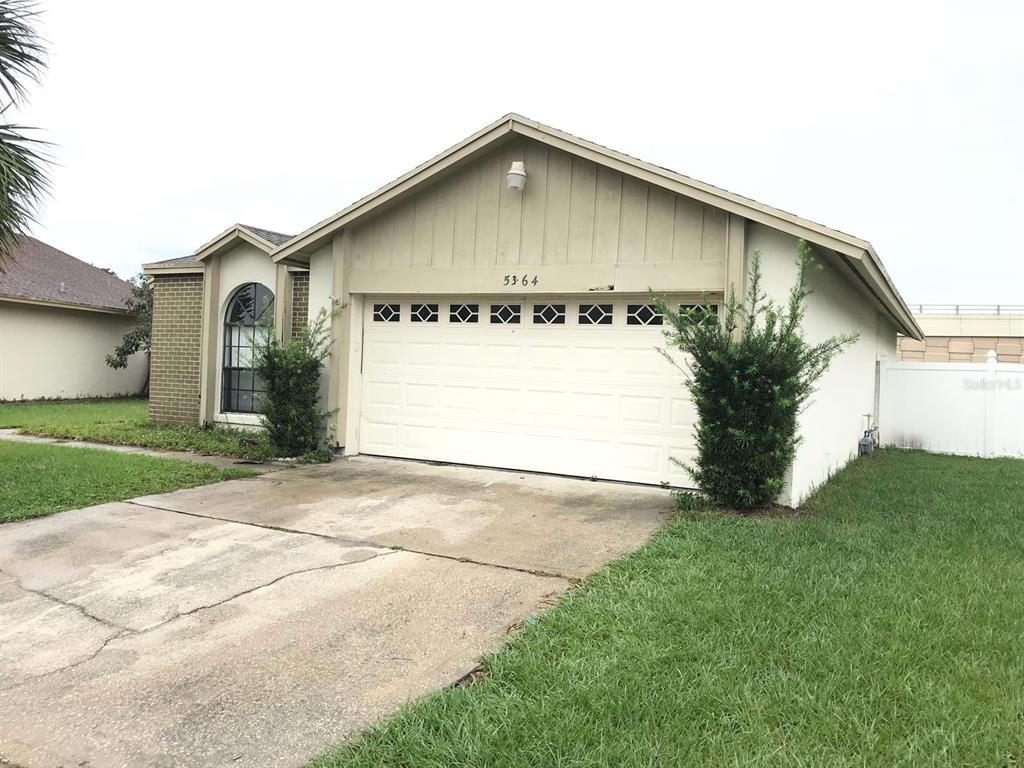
(64, 305)
(229, 238)
(869, 269)
(188, 268)
(852, 247)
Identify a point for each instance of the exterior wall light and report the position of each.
(516, 176)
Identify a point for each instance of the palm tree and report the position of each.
(23, 179)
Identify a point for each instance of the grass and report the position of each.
(40, 480)
(125, 421)
(883, 626)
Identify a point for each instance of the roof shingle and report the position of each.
(277, 238)
(40, 272)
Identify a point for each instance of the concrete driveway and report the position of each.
(256, 622)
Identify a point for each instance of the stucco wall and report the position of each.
(59, 353)
(834, 420)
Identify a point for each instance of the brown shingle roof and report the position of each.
(277, 238)
(38, 271)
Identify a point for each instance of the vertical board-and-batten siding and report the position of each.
(571, 212)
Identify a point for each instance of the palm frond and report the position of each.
(21, 49)
(23, 183)
(23, 179)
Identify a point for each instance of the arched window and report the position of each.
(248, 321)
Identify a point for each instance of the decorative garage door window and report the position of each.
(387, 313)
(248, 322)
(705, 312)
(424, 313)
(643, 314)
(595, 314)
(549, 314)
(506, 314)
(464, 313)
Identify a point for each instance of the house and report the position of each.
(59, 318)
(961, 333)
(492, 307)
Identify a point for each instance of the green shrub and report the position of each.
(749, 375)
(290, 376)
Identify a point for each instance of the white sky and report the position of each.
(899, 122)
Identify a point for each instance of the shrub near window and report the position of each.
(749, 376)
(290, 403)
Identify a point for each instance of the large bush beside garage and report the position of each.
(289, 373)
(749, 375)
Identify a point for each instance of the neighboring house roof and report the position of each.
(859, 254)
(39, 273)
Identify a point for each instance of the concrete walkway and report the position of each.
(220, 462)
(257, 622)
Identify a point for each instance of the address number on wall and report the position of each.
(523, 279)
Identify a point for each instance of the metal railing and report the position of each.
(967, 309)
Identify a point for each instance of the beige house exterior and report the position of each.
(478, 323)
(966, 334)
(59, 318)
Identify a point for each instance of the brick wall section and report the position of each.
(175, 349)
(300, 302)
(961, 349)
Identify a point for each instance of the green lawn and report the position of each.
(125, 421)
(884, 626)
(38, 480)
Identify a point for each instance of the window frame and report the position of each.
(235, 345)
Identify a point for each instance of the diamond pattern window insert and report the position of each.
(595, 314)
(464, 313)
(386, 313)
(549, 314)
(424, 313)
(643, 314)
(700, 313)
(506, 314)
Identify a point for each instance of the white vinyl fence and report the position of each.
(972, 409)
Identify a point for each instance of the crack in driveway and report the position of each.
(363, 543)
(67, 603)
(127, 632)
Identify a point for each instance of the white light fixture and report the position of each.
(516, 176)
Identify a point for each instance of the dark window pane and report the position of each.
(595, 314)
(386, 313)
(248, 321)
(549, 314)
(463, 313)
(424, 313)
(506, 314)
(643, 314)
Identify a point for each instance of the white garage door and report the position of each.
(567, 386)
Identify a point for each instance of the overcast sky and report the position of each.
(899, 122)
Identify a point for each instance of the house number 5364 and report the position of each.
(523, 279)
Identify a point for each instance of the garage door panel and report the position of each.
(383, 354)
(574, 399)
(382, 393)
(684, 413)
(642, 409)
